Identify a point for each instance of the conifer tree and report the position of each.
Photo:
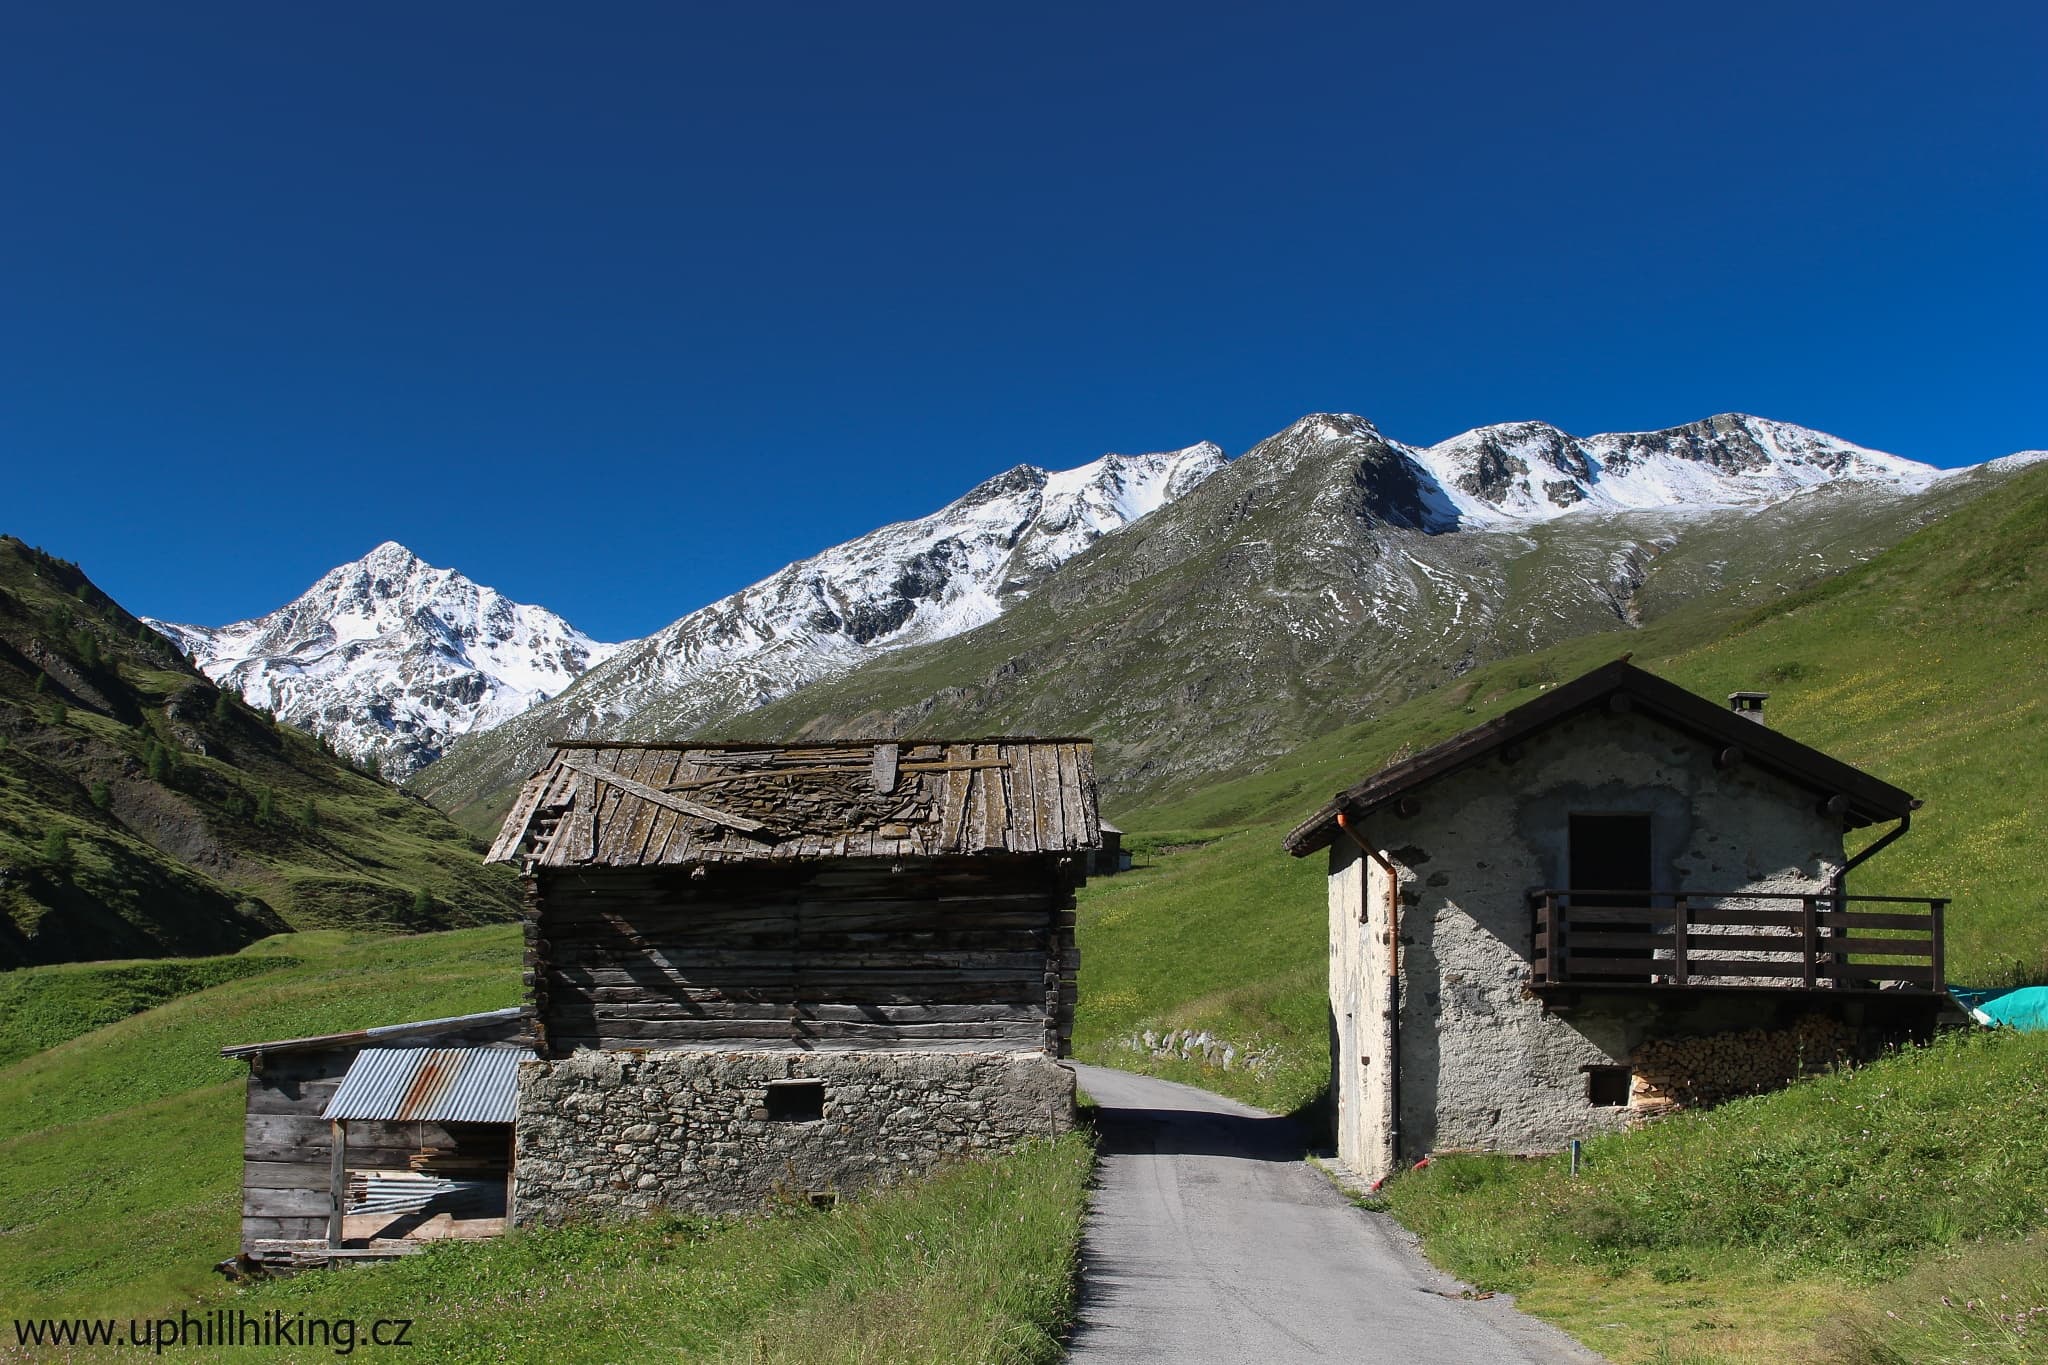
(57, 847)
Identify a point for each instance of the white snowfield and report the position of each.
(393, 657)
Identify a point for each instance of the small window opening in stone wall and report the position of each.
(796, 1101)
(1608, 1086)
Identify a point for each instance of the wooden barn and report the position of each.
(790, 970)
(366, 1144)
(1614, 900)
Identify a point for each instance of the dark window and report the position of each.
(1610, 867)
(1608, 1086)
(1610, 853)
(796, 1101)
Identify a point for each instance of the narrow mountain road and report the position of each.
(1210, 1242)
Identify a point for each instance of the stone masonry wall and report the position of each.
(611, 1133)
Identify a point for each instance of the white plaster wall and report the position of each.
(1359, 1000)
(1483, 1064)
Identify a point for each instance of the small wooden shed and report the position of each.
(363, 1144)
(794, 968)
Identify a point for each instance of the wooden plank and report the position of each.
(1883, 947)
(612, 811)
(625, 826)
(310, 1097)
(1879, 971)
(317, 1204)
(994, 822)
(311, 1174)
(1855, 920)
(513, 833)
(1735, 966)
(680, 804)
(653, 832)
(1073, 811)
(337, 1183)
(1091, 818)
(1023, 803)
(1045, 782)
(1583, 941)
(953, 811)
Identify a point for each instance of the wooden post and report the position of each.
(338, 1180)
(1678, 970)
(1936, 910)
(1553, 937)
(1809, 939)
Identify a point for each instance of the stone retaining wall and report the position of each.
(609, 1133)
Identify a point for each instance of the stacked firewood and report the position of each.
(454, 1163)
(1690, 1073)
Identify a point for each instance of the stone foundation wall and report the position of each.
(611, 1133)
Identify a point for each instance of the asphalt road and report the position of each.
(1211, 1242)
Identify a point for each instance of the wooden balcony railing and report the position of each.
(1690, 938)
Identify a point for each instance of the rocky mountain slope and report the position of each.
(903, 585)
(392, 659)
(1330, 573)
(146, 812)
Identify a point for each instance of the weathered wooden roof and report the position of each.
(639, 805)
(1618, 686)
(505, 1025)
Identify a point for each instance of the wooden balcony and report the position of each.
(1674, 939)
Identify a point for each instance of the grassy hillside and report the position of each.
(1858, 1214)
(1923, 666)
(120, 1149)
(144, 812)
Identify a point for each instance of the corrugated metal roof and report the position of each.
(431, 1084)
(646, 805)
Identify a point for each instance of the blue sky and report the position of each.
(621, 307)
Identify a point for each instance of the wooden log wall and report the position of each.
(958, 955)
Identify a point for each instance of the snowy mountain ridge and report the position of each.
(404, 669)
(393, 659)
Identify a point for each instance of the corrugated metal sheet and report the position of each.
(431, 1085)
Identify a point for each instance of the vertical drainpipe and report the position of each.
(1393, 991)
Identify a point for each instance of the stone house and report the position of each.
(1612, 900)
(786, 971)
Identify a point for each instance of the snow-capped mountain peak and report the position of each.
(1532, 471)
(903, 584)
(391, 657)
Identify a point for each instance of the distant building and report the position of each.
(1110, 859)
(1615, 899)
